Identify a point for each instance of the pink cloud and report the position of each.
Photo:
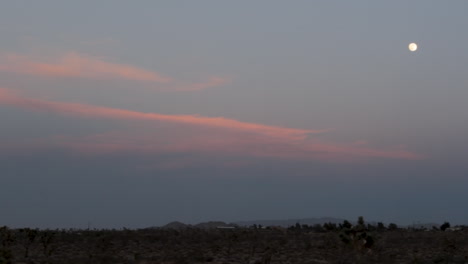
(90, 111)
(82, 66)
(198, 134)
(77, 65)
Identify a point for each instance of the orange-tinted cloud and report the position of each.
(77, 65)
(200, 134)
(90, 111)
(82, 66)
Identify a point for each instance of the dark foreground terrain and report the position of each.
(300, 244)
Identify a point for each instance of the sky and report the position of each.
(138, 113)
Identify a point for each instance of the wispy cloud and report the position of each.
(83, 66)
(77, 65)
(201, 134)
(90, 111)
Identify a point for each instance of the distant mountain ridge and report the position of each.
(266, 222)
(291, 222)
(276, 222)
(204, 225)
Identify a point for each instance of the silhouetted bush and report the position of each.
(380, 226)
(444, 226)
(7, 240)
(357, 237)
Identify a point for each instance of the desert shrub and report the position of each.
(380, 226)
(444, 226)
(28, 236)
(317, 228)
(330, 226)
(357, 237)
(361, 223)
(7, 239)
(46, 237)
(392, 226)
(346, 224)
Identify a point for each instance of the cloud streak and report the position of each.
(75, 65)
(199, 134)
(90, 111)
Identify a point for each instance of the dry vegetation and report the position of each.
(300, 244)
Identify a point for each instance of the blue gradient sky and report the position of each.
(321, 111)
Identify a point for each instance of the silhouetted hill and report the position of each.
(175, 225)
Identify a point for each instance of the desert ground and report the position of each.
(320, 244)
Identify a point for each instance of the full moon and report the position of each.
(412, 47)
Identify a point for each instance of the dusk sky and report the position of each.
(138, 113)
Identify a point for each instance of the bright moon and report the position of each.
(412, 47)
